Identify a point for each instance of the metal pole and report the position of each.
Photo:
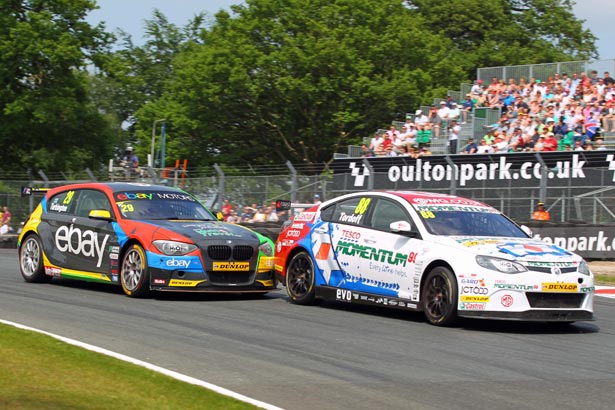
(154, 139)
(221, 193)
(293, 186)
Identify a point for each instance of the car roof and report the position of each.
(425, 198)
(113, 187)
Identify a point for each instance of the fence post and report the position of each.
(293, 181)
(221, 193)
(454, 175)
(370, 175)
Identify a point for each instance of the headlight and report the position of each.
(174, 248)
(499, 264)
(266, 248)
(584, 268)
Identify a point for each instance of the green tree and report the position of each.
(509, 32)
(295, 80)
(290, 80)
(47, 120)
(133, 74)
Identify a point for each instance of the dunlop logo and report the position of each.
(232, 266)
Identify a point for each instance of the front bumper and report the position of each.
(533, 315)
(230, 277)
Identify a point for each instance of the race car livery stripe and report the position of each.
(88, 276)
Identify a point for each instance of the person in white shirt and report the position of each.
(376, 144)
(420, 118)
(444, 111)
(454, 112)
(453, 136)
(484, 148)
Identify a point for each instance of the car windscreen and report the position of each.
(153, 205)
(470, 223)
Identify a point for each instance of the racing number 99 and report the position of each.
(362, 206)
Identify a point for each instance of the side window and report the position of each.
(352, 211)
(62, 203)
(385, 212)
(90, 199)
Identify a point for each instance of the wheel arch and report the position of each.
(438, 263)
(289, 257)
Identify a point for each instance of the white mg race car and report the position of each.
(444, 255)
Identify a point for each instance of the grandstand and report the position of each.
(482, 118)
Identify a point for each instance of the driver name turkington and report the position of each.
(425, 171)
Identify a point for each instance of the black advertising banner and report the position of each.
(569, 168)
(589, 241)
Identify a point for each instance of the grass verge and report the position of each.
(38, 372)
(605, 280)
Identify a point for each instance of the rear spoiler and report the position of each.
(29, 191)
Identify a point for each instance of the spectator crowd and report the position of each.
(561, 113)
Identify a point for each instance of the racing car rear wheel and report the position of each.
(31, 260)
(440, 297)
(300, 279)
(134, 275)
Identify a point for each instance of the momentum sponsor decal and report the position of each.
(375, 254)
(514, 286)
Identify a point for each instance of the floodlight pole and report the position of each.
(154, 140)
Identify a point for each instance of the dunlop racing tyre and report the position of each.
(134, 274)
(31, 260)
(300, 279)
(439, 295)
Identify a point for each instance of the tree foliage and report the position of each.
(270, 81)
(509, 32)
(289, 80)
(47, 120)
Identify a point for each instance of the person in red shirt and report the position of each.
(550, 143)
(227, 209)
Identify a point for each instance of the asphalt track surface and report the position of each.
(332, 356)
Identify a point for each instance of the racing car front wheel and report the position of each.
(31, 260)
(300, 279)
(440, 297)
(134, 275)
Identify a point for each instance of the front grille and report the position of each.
(219, 252)
(243, 252)
(555, 300)
(224, 252)
(548, 269)
(226, 278)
